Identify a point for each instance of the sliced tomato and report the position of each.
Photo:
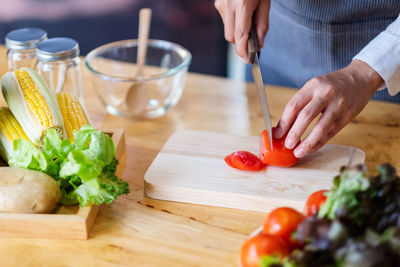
(244, 160)
(280, 155)
(283, 222)
(314, 202)
(257, 246)
(228, 160)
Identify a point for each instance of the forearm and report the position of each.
(365, 72)
(382, 54)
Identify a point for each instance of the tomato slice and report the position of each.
(228, 160)
(283, 222)
(280, 156)
(314, 202)
(257, 246)
(244, 160)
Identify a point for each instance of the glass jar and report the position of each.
(59, 65)
(21, 47)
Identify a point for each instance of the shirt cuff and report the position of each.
(383, 55)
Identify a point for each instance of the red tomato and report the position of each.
(228, 160)
(257, 246)
(314, 202)
(244, 160)
(280, 156)
(283, 222)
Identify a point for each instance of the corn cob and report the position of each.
(10, 130)
(74, 116)
(32, 103)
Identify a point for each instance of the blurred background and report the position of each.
(194, 24)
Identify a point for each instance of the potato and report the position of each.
(27, 191)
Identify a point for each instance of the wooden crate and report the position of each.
(66, 222)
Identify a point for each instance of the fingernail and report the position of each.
(289, 143)
(299, 152)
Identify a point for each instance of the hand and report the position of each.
(237, 17)
(339, 96)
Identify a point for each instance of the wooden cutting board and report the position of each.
(190, 168)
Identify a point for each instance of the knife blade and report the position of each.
(254, 52)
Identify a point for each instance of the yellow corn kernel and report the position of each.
(72, 112)
(9, 126)
(35, 101)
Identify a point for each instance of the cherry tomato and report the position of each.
(314, 202)
(257, 246)
(283, 222)
(244, 160)
(280, 156)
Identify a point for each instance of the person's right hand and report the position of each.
(237, 17)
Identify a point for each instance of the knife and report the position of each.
(253, 48)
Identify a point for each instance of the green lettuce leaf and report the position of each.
(104, 189)
(274, 261)
(95, 144)
(55, 148)
(26, 155)
(268, 260)
(344, 192)
(77, 163)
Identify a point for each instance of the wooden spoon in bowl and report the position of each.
(137, 95)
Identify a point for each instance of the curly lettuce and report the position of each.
(344, 193)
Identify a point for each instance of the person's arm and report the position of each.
(383, 55)
(237, 17)
(341, 95)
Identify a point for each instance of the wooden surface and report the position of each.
(138, 231)
(66, 222)
(191, 168)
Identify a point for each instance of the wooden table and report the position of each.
(139, 231)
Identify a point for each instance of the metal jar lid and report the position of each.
(26, 38)
(58, 48)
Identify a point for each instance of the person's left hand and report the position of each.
(339, 96)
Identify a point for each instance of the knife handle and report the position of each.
(253, 46)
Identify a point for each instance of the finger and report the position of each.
(262, 20)
(303, 120)
(298, 101)
(331, 133)
(243, 18)
(319, 131)
(219, 5)
(333, 130)
(227, 12)
(229, 26)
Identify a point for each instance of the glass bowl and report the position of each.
(125, 93)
